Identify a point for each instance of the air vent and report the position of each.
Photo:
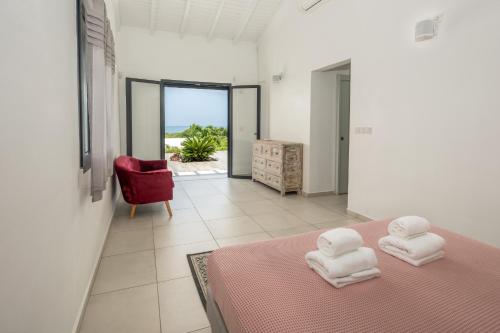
(310, 4)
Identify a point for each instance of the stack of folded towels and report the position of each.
(409, 240)
(341, 260)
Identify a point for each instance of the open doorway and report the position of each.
(330, 129)
(195, 118)
(228, 115)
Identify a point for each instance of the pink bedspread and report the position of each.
(267, 287)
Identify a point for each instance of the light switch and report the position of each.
(363, 130)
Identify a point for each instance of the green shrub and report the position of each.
(198, 148)
(172, 150)
(221, 143)
(217, 134)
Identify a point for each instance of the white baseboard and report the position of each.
(317, 194)
(83, 305)
(358, 215)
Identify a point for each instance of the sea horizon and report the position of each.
(178, 129)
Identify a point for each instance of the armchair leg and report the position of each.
(132, 211)
(167, 204)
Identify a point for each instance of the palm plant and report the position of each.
(198, 148)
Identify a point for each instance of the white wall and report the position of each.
(50, 232)
(165, 55)
(433, 106)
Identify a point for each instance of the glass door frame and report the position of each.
(230, 126)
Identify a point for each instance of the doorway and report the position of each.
(329, 135)
(218, 114)
(195, 119)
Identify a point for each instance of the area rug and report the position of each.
(198, 264)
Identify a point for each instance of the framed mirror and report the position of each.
(85, 144)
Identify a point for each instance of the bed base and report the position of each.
(214, 316)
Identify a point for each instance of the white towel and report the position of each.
(415, 262)
(344, 265)
(345, 280)
(414, 248)
(409, 226)
(336, 242)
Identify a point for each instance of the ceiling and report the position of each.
(228, 19)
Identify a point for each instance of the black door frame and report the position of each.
(189, 84)
(230, 127)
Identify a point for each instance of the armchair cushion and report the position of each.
(144, 182)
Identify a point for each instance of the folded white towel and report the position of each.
(414, 248)
(414, 262)
(345, 280)
(338, 241)
(409, 226)
(344, 265)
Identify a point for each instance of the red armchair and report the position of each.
(144, 182)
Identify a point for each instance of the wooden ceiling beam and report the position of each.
(216, 19)
(185, 17)
(153, 16)
(244, 24)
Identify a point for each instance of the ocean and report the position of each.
(178, 129)
(175, 129)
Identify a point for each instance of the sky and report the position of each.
(186, 106)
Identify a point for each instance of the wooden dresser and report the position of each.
(278, 164)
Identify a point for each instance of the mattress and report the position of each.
(267, 287)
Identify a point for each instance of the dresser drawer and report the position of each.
(266, 150)
(274, 167)
(259, 175)
(293, 181)
(259, 162)
(293, 168)
(258, 149)
(275, 152)
(273, 180)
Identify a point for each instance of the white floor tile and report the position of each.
(277, 221)
(125, 271)
(121, 242)
(172, 263)
(291, 231)
(213, 212)
(181, 234)
(125, 223)
(180, 216)
(181, 310)
(260, 207)
(126, 311)
(243, 239)
(233, 227)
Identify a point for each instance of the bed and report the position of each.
(267, 287)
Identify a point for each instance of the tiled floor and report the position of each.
(144, 283)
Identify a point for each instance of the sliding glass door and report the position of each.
(244, 129)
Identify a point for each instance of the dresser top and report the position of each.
(279, 142)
